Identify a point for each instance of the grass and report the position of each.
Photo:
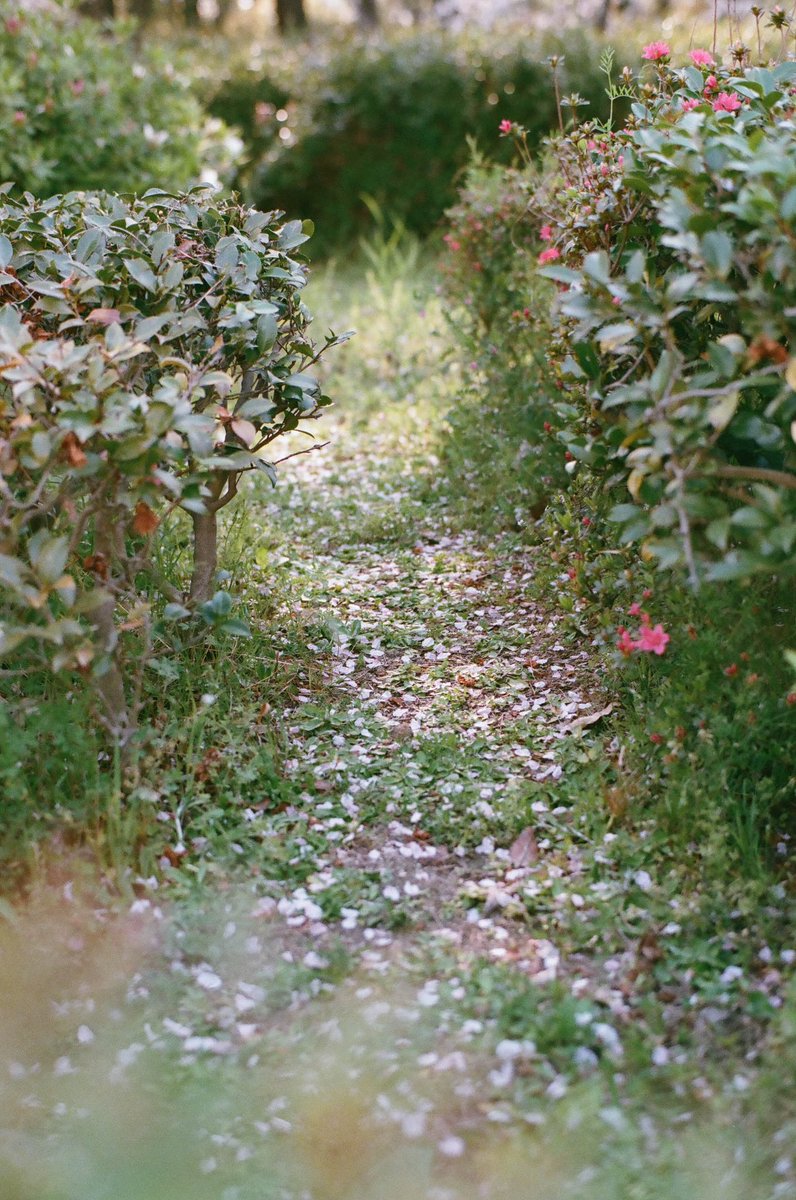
(316, 954)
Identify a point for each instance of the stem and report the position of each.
(205, 555)
(558, 101)
(758, 474)
(110, 685)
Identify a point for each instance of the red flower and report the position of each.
(506, 126)
(625, 645)
(653, 640)
(727, 102)
(549, 255)
(656, 51)
(657, 738)
(546, 233)
(731, 670)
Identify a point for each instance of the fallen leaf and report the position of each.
(524, 850)
(588, 719)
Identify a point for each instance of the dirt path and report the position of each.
(434, 976)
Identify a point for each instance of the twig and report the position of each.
(298, 453)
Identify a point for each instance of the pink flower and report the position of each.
(625, 645)
(653, 640)
(19, 117)
(690, 105)
(635, 609)
(710, 83)
(77, 86)
(548, 255)
(546, 233)
(656, 51)
(506, 126)
(727, 102)
(702, 58)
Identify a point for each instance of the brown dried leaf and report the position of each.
(144, 520)
(524, 850)
(73, 451)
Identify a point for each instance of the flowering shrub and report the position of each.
(71, 118)
(677, 276)
(488, 270)
(150, 351)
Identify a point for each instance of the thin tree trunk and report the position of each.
(368, 13)
(110, 685)
(601, 24)
(205, 555)
(290, 16)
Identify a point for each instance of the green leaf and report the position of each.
(718, 251)
(48, 557)
(6, 251)
(235, 627)
(142, 273)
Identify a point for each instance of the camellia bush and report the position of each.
(73, 118)
(150, 351)
(673, 244)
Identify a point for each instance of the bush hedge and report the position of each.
(150, 350)
(390, 120)
(670, 240)
(85, 107)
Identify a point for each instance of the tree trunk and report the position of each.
(205, 555)
(110, 685)
(601, 24)
(368, 13)
(290, 16)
